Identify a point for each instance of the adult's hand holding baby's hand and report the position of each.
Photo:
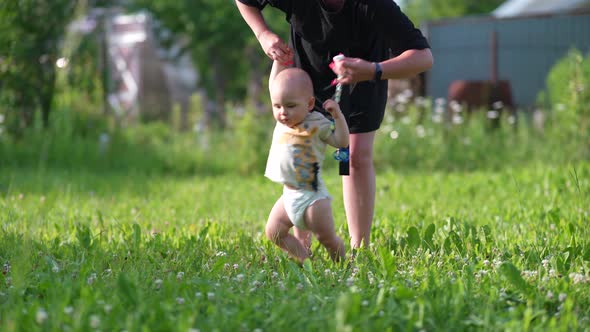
(275, 48)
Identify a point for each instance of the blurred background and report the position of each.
(180, 87)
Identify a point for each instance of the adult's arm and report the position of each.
(405, 65)
(274, 47)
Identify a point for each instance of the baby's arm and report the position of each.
(339, 138)
(277, 67)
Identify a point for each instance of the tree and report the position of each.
(29, 47)
(424, 10)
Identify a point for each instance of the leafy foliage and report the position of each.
(32, 31)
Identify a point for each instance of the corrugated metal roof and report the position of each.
(513, 8)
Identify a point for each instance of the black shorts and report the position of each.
(363, 106)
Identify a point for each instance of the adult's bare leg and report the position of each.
(359, 189)
(277, 230)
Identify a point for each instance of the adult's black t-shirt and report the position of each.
(373, 30)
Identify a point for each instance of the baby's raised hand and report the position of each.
(333, 108)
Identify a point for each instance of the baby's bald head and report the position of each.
(293, 79)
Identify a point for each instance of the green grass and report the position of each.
(489, 250)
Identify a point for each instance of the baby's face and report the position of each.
(290, 105)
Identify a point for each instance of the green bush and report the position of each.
(568, 88)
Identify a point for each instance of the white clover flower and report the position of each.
(108, 308)
(455, 106)
(529, 274)
(179, 275)
(41, 316)
(420, 131)
(492, 114)
(94, 321)
(239, 277)
(91, 279)
(350, 282)
(274, 274)
(437, 118)
(55, 269)
(236, 266)
(210, 296)
(440, 101)
(180, 300)
(579, 278)
(299, 286)
(158, 283)
(198, 294)
(550, 295)
(365, 303)
(498, 105)
(394, 134)
(511, 119)
(562, 297)
(545, 263)
(457, 119)
(220, 254)
(421, 101)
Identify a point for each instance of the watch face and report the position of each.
(378, 72)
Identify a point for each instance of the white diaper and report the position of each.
(296, 201)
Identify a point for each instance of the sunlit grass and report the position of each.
(492, 250)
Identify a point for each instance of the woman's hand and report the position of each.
(275, 48)
(352, 70)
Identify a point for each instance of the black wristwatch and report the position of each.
(378, 72)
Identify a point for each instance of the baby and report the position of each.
(298, 148)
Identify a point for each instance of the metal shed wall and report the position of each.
(527, 48)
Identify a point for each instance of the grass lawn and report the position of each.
(489, 250)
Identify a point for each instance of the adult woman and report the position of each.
(379, 43)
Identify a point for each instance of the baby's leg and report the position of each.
(304, 236)
(277, 230)
(319, 219)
